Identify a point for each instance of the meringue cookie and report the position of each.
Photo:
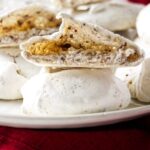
(71, 92)
(130, 34)
(79, 44)
(138, 78)
(129, 75)
(14, 72)
(11, 81)
(22, 23)
(139, 82)
(5, 58)
(27, 69)
(143, 24)
(10, 51)
(74, 3)
(112, 15)
(143, 82)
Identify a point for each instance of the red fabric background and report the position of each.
(141, 1)
(124, 136)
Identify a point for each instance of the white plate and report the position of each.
(10, 115)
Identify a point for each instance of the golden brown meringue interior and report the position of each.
(47, 47)
(26, 19)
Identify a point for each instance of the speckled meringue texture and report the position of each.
(112, 15)
(14, 70)
(138, 78)
(73, 91)
(141, 79)
(85, 35)
(24, 22)
(117, 16)
(138, 81)
(70, 92)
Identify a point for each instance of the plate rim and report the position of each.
(20, 120)
(25, 116)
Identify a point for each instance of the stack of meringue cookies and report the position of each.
(60, 56)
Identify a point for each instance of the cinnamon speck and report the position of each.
(26, 16)
(130, 82)
(71, 35)
(69, 27)
(19, 22)
(38, 12)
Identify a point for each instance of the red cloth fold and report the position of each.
(124, 136)
(141, 1)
